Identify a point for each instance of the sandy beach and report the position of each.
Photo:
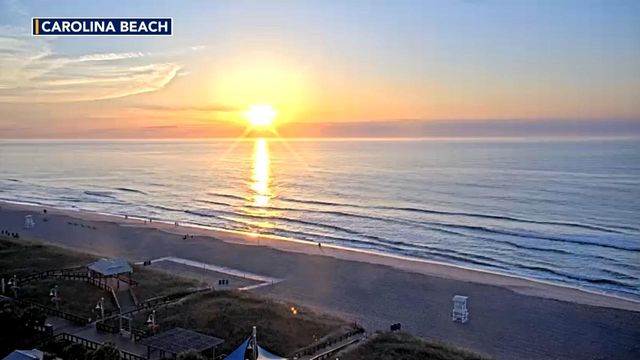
(511, 318)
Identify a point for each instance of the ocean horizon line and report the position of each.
(335, 138)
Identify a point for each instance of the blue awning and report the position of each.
(239, 353)
(25, 355)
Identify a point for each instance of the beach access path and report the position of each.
(510, 318)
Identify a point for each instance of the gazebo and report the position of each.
(105, 269)
(249, 349)
(178, 340)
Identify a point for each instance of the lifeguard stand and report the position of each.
(460, 312)
(28, 222)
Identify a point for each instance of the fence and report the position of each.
(106, 327)
(115, 299)
(54, 312)
(134, 297)
(93, 345)
(327, 354)
(75, 273)
(332, 340)
(163, 300)
(130, 282)
(62, 273)
(138, 334)
(111, 328)
(96, 282)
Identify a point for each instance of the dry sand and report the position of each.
(511, 318)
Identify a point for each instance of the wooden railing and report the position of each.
(75, 273)
(329, 353)
(92, 345)
(54, 312)
(115, 299)
(70, 272)
(110, 327)
(96, 282)
(330, 341)
(130, 282)
(139, 334)
(105, 325)
(134, 297)
(163, 300)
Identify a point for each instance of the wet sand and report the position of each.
(510, 317)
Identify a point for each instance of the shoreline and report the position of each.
(518, 284)
(510, 318)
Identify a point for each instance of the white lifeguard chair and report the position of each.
(28, 222)
(460, 312)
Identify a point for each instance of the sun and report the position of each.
(261, 115)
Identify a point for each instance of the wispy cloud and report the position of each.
(31, 71)
(207, 108)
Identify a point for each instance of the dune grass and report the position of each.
(76, 297)
(21, 257)
(230, 315)
(154, 283)
(399, 345)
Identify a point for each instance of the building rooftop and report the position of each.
(179, 340)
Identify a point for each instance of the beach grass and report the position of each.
(76, 297)
(230, 315)
(154, 283)
(401, 345)
(21, 257)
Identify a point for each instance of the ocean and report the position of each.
(563, 211)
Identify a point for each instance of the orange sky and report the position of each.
(322, 66)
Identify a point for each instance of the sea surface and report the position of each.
(565, 211)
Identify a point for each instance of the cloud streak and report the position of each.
(32, 72)
(205, 108)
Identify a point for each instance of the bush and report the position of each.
(107, 351)
(190, 355)
(75, 352)
(394, 346)
(18, 326)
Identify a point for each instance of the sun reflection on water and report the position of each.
(261, 176)
(261, 183)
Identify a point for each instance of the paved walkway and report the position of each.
(261, 279)
(89, 332)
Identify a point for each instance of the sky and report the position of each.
(330, 68)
